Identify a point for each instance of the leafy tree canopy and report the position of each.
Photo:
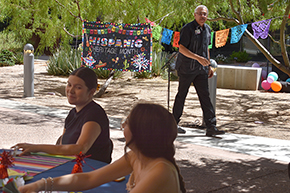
(54, 20)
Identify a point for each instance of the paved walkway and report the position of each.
(257, 146)
(231, 163)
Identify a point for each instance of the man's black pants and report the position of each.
(200, 82)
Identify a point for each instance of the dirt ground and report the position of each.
(256, 113)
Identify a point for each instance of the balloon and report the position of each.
(266, 85)
(274, 75)
(270, 79)
(276, 86)
(256, 65)
(288, 80)
(264, 74)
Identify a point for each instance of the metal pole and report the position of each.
(28, 63)
(168, 94)
(212, 84)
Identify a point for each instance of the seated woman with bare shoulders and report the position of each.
(86, 127)
(150, 131)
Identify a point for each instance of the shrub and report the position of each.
(63, 62)
(104, 74)
(240, 56)
(7, 58)
(9, 41)
(143, 74)
(19, 58)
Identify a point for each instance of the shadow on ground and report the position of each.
(216, 175)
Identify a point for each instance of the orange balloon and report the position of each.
(276, 86)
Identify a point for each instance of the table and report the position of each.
(119, 187)
(90, 165)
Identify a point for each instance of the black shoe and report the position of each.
(213, 132)
(180, 130)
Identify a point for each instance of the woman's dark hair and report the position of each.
(88, 76)
(154, 130)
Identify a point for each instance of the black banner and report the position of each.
(126, 47)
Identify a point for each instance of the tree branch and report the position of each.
(282, 37)
(267, 54)
(238, 14)
(277, 42)
(225, 19)
(79, 16)
(75, 36)
(162, 18)
(105, 85)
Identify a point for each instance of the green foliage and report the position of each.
(63, 62)
(240, 56)
(9, 41)
(57, 21)
(7, 58)
(11, 48)
(142, 74)
(18, 58)
(173, 76)
(104, 74)
(158, 60)
(49, 18)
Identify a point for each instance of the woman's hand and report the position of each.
(32, 188)
(26, 148)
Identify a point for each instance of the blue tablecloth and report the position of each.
(66, 168)
(119, 187)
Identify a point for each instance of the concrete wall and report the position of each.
(238, 77)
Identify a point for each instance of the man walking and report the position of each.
(192, 66)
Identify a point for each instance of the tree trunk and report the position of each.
(268, 55)
(105, 85)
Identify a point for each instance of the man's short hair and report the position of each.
(201, 6)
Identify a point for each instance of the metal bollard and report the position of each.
(28, 63)
(212, 84)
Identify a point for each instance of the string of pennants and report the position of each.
(260, 29)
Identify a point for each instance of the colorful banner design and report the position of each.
(156, 31)
(125, 47)
(176, 38)
(150, 22)
(237, 32)
(166, 36)
(221, 37)
(261, 28)
(211, 40)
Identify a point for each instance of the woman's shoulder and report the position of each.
(94, 107)
(163, 171)
(163, 164)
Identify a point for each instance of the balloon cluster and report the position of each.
(271, 82)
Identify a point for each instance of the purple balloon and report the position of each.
(270, 79)
(266, 85)
(256, 65)
(274, 75)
